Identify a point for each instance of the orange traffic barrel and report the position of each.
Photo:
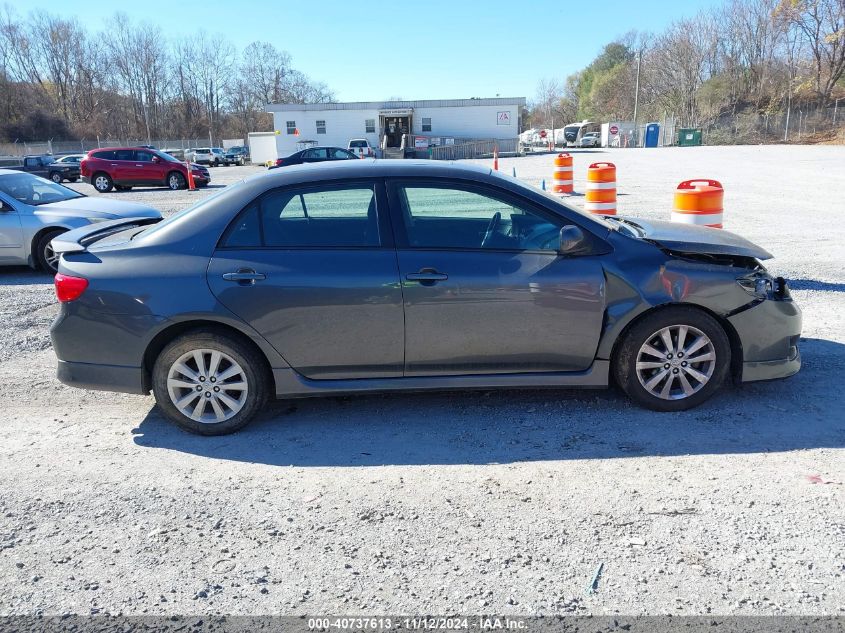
(699, 202)
(600, 196)
(563, 174)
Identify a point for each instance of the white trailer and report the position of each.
(262, 147)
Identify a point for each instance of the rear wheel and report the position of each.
(47, 258)
(56, 177)
(175, 181)
(673, 359)
(102, 182)
(208, 383)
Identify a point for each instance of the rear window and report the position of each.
(357, 143)
(203, 150)
(104, 155)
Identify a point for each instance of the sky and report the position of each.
(370, 50)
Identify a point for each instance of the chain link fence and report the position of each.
(25, 148)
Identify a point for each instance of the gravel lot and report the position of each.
(499, 502)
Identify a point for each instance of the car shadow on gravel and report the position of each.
(23, 276)
(803, 412)
(812, 284)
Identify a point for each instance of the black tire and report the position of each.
(56, 177)
(253, 369)
(644, 331)
(102, 182)
(44, 254)
(175, 181)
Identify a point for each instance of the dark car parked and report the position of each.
(238, 155)
(363, 276)
(122, 168)
(315, 155)
(46, 166)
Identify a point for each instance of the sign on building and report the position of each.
(503, 118)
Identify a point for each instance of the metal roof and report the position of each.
(393, 105)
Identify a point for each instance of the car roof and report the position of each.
(215, 212)
(369, 168)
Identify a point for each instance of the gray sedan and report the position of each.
(34, 210)
(371, 276)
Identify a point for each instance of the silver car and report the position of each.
(590, 139)
(34, 210)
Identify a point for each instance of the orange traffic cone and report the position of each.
(191, 185)
(495, 158)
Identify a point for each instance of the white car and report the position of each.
(360, 146)
(591, 139)
(210, 156)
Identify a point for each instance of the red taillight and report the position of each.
(280, 161)
(69, 288)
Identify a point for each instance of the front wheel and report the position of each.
(48, 259)
(208, 383)
(673, 359)
(56, 177)
(176, 181)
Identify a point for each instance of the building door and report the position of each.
(394, 127)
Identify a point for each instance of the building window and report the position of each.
(291, 125)
(370, 126)
(321, 127)
(426, 124)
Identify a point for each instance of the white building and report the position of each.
(431, 122)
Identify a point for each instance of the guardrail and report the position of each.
(474, 149)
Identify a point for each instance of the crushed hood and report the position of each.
(688, 238)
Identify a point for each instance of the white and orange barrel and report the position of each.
(600, 196)
(563, 174)
(699, 202)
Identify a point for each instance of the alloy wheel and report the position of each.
(675, 362)
(51, 257)
(101, 183)
(207, 386)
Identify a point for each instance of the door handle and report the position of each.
(427, 276)
(138, 165)
(245, 276)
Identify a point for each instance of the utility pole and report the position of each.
(637, 97)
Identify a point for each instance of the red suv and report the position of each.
(127, 167)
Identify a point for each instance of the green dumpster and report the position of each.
(688, 136)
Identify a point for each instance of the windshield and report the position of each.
(35, 191)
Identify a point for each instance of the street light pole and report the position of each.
(637, 98)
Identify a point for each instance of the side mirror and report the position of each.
(572, 240)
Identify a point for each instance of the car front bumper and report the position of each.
(769, 334)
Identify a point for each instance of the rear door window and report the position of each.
(104, 155)
(124, 154)
(339, 216)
